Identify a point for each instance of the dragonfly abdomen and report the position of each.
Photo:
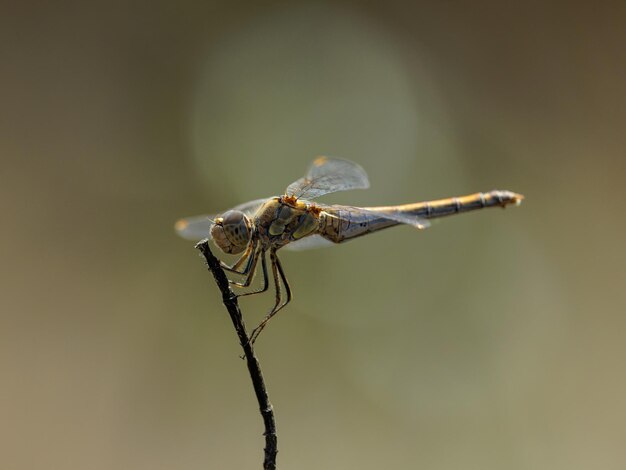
(340, 223)
(455, 205)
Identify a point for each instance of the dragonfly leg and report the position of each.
(285, 282)
(277, 270)
(251, 276)
(249, 271)
(247, 256)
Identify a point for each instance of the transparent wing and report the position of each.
(309, 243)
(400, 217)
(194, 228)
(199, 227)
(366, 214)
(328, 175)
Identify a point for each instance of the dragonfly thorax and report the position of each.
(232, 232)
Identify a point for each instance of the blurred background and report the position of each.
(493, 340)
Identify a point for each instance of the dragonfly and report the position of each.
(263, 226)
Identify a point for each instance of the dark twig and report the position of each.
(231, 304)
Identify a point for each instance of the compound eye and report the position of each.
(232, 218)
(236, 229)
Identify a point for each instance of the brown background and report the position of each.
(491, 341)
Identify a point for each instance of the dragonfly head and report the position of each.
(232, 232)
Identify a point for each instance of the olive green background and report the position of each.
(493, 340)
